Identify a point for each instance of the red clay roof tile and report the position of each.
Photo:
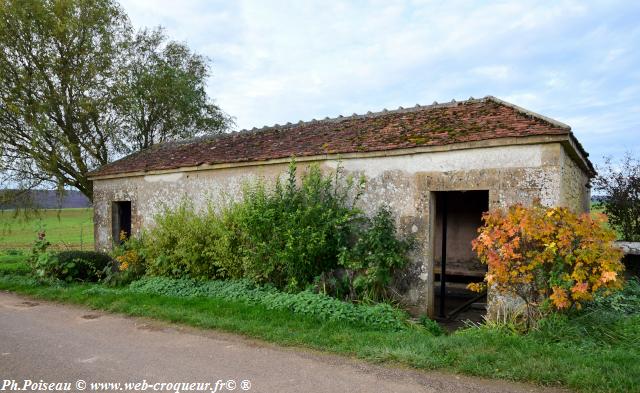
(434, 125)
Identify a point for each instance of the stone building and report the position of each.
(438, 167)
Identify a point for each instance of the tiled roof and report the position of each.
(419, 126)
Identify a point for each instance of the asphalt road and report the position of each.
(59, 343)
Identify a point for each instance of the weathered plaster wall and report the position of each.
(406, 183)
(575, 191)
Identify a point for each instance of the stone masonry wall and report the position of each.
(406, 183)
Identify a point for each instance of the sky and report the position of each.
(283, 61)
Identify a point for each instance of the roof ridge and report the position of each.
(369, 114)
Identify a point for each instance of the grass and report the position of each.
(567, 357)
(598, 208)
(65, 228)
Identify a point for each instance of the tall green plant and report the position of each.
(375, 256)
(185, 243)
(303, 227)
(296, 232)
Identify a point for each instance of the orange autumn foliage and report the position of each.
(548, 255)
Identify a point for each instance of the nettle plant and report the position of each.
(549, 257)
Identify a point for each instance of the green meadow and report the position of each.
(64, 228)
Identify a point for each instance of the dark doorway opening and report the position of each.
(121, 221)
(458, 217)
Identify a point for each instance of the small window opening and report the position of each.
(121, 221)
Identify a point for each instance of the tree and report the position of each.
(78, 88)
(620, 185)
(163, 93)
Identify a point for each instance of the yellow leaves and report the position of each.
(580, 287)
(550, 249)
(128, 259)
(559, 298)
(608, 276)
(477, 286)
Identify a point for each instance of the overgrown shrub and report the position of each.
(548, 256)
(185, 243)
(306, 303)
(377, 253)
(128, 263)
(292, 234)
(66, 265)
(72, 265)
(81, 265)
(620, 185)
(285, 235)
(304, 228)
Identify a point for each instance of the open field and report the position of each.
(598, 208)
(65, 228)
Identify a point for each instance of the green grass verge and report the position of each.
(610, 367)
(65, 228)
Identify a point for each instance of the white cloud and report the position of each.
(495, 72)
(279, 61)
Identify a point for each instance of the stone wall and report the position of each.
(511, 174)
(575, 190)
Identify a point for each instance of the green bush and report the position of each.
(71, 265)
(285, 236)
(302, 230)
(66, 265)
(128, 263)
(376, 255)
(187, 244)
(79, 265)
(292, 234)
(307, 303)
(625, 301)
